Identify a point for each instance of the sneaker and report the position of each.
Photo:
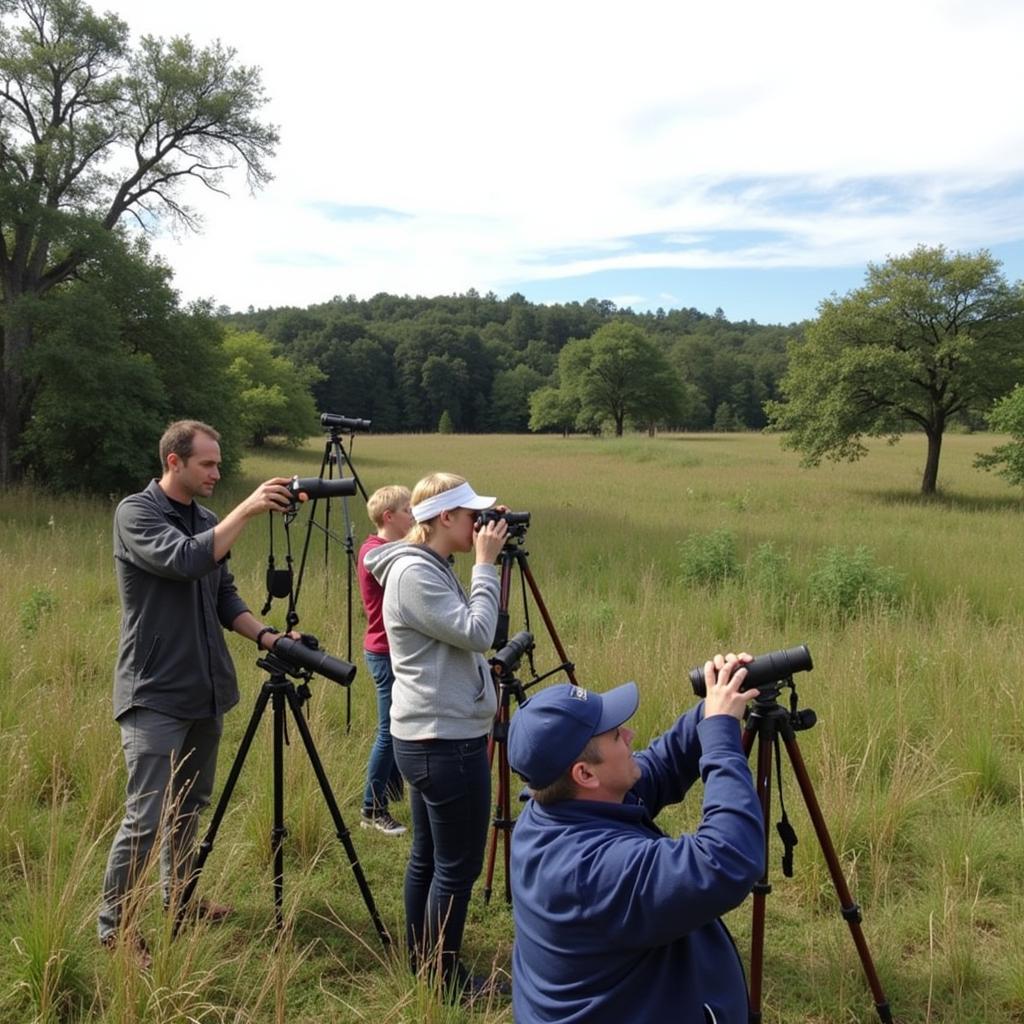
(382, 822)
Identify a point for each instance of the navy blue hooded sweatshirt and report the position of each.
(615, 921)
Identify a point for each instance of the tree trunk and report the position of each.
(931, 466)
(16, 338)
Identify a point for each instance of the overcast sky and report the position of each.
(748, 155)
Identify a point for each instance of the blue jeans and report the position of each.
(381, 773)
(450, 799)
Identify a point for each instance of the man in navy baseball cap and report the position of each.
(615, 920)
(552, 729)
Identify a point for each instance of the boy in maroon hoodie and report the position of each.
(389, 509)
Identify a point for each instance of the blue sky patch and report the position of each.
(354, 213)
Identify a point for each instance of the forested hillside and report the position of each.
(403, 362)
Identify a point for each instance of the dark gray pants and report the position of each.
(171, 765)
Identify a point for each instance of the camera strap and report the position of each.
(279, 581)
(786, 831)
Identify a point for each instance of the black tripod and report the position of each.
(513, 554)
(767, 722)
(335, 455)
(281, 691)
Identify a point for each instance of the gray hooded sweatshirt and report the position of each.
(443, 687)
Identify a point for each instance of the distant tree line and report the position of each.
(506, 365)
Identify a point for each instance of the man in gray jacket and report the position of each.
(174, 677)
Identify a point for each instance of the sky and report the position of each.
(748, 156)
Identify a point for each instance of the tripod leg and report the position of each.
(496, 745)
(492, 851)
(849, 909)
(542, 608)
(501, 824)
(504, 590)
(763, 785)
(339, 823)
(278, 831)
(506, 818)
(206, 846)
(350, 561)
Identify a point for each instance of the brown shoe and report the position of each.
(139, 952)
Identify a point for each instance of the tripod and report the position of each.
(280, 691)
(513, 554)
(281, 582)
(767, 722)
(335, 455)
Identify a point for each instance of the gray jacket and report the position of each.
(443, 687)
(175, 599)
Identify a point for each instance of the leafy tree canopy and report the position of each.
(274, 393)
(115, 359)
(93, 129)
(1007, 417)
(620, 374)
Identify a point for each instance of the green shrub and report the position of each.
(844, 583)
(40, 602)
(708, 559)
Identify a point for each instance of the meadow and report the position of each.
(650, 555)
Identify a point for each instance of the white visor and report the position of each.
(462, 496)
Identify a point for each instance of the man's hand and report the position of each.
(271, 496)
(268, 639)
(724, 676)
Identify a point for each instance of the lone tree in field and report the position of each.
(617, 374)
(929, 336)
(92, 129)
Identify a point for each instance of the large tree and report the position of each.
(114, 358)
(91, 130)
(617, 374)
(931, 335)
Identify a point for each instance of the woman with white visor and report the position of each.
(443, 706)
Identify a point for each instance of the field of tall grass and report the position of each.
(650, 554)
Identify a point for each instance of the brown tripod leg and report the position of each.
(849, 909)
(502, 822)
(767, 727)
(542, 608)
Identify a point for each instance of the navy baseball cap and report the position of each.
(549, 730)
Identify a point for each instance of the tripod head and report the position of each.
(302, 659)
(766, 710)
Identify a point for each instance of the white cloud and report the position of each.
(510, 133)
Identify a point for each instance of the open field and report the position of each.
(916, 760)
